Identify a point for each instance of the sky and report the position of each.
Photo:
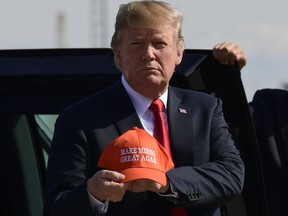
(259, 27)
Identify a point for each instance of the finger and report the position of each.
(221, 51)
(111, 175)
(118, 192)
(226, 53)
(241, 59)
(237, 54)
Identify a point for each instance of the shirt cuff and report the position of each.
(100, 208)
(171, 192)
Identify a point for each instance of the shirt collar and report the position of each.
(140, 102)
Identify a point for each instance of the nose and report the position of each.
(148, 52)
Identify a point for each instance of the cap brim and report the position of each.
(144, 173)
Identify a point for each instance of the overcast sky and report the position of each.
(259, 27)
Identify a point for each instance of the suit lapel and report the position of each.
(180, 129)
(122, 110)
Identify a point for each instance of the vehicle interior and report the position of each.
(269, 111)
(35, 85)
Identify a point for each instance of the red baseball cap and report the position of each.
(137, 155)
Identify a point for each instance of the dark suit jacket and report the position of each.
(208, 166)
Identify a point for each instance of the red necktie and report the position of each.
(162, 135)
(160, 129)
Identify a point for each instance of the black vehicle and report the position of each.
(35, 85)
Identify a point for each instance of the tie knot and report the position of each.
(156, 106)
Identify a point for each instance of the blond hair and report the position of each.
(147, 14)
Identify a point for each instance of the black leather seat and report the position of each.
(270, 115)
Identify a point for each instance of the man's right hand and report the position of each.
(104, 185)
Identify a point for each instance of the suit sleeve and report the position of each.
(66, 191)
(219, 174)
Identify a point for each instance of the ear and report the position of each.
(117, 56)
(179, 56)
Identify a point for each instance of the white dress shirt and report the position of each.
(141, 105)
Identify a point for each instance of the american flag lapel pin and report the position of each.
(183, 111)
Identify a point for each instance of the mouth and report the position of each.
(150, 69)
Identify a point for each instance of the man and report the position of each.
(147, 46)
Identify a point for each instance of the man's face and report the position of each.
(147, 58)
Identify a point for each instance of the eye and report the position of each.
(136, 43)
(160, 44)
